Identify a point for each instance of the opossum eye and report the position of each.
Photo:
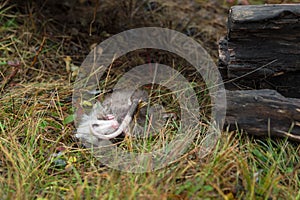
(95, 125)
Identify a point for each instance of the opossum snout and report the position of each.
(105, 127)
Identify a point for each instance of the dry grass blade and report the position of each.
(41, 159)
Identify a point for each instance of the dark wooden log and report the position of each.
(263, 41)
(262, 50)
(263, 35)
(263, 113)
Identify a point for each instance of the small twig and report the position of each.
(38, 52)
(94, 17)
(6, 81)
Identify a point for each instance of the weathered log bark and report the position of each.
(263, 42)
(263, 113)
(267, 35)
(262, 50)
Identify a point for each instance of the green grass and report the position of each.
(36, 123)
(31, 132)
(239, 166)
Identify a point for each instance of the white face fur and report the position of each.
(105, 126)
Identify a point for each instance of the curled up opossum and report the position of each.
(114, 116)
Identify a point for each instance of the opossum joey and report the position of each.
(109, 129)
(123, 104)
(98, 121)
(112, 118)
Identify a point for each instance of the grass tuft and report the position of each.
(41, 159)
